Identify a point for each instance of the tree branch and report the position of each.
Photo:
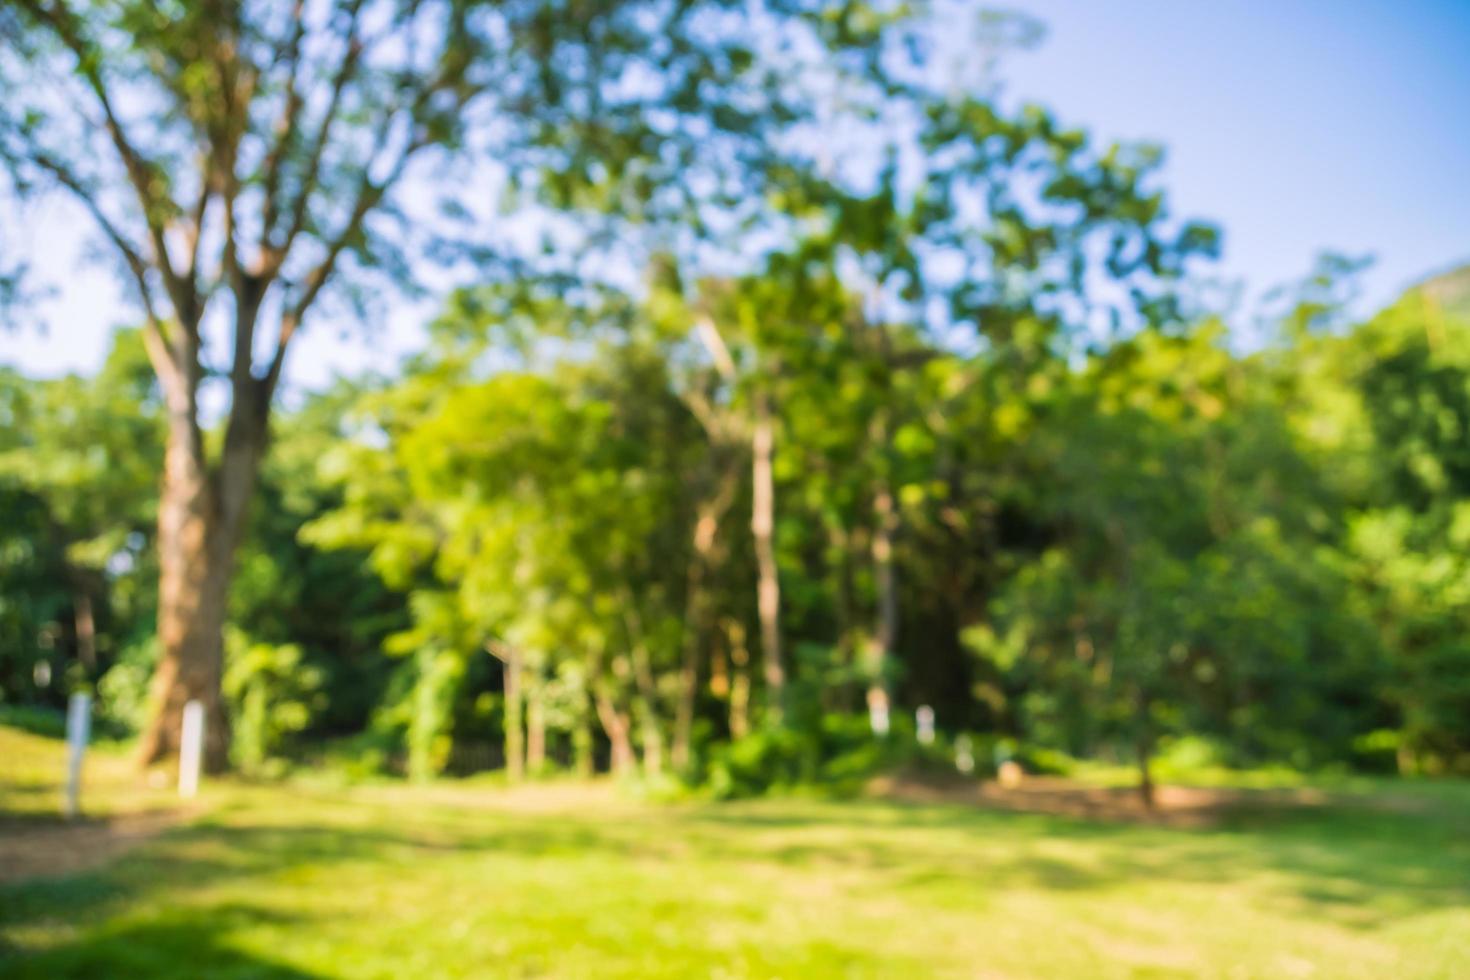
(312, 175)
(140, 171)
(369, 193)
(286, 128)
(162, 355)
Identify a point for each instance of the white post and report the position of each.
(191, 749)
(878, 710)
(78, 729)
(924, 724)
(964, 755)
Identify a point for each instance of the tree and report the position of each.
(245, 161)
(86, 452)
(1191, 582)
(1410, 538)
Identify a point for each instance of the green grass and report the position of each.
(454, 880)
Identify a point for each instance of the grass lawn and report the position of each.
(308, 880)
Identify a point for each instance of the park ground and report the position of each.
(316, 878)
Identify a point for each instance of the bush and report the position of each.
(122, 692)
(364, 756)
(34, 719)
(1378, 751)
(767, 759)
(272, 697)
(840, 754)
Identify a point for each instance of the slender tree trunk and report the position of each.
(881, 648)
(739, 680)
(719, 673)
(615, 725)
(696, 619)
(200, 521)
(763, 526)
(85, 622)
(515, 738)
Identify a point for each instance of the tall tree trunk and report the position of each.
(881, 649)
(696, 618)
(515, 739)
(763, 526)
(201, 517)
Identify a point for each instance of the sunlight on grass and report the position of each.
(31, 768)
(576, 880)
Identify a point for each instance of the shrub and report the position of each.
(840, 754)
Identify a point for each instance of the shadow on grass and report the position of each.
(177, 947)
(1355, 866)
(1357, 862)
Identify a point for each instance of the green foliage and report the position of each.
(839, 753)
(272, 697)
(288, 591)
(77, 478)
(429, 729)
(34, 597)
(123, 692)
(34, 719)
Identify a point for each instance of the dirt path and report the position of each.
(36, 848)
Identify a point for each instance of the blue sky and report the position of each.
(1298, 125)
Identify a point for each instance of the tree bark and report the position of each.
(696, 619)
(85, 621)
(200, 521)
(515, 743)
(768, 582)
(615, 725)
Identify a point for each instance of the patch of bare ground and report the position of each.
(43, 847)
(1174, 806)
